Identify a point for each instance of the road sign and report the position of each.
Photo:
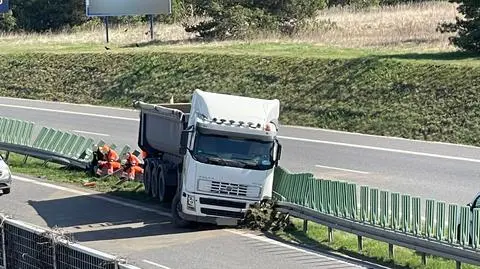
(4, 6)
(106, 8)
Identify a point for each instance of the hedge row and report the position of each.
(369, 95)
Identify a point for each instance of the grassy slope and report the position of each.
(383, 93)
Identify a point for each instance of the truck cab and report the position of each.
(228, 150)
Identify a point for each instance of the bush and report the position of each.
(8, 22)
(237, 19)
(468, 28)
(43, 15)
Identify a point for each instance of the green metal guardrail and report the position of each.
(389, 211)
(49, 144)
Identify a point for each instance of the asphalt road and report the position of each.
(144, 234)
(430, 170)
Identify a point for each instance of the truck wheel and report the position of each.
(169, 190)
(161, 182)
(6, 191)
(147, 178)
(177, 207)
(154, 177)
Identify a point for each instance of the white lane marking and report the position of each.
(378, 136)
(65, 103)
(342, 169)
(92, 133)
(382, 149)
(70, 112)
(156, 264)
(92, 195)
(277, 243)
(284, 137)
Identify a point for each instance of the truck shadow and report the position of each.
(93, 218)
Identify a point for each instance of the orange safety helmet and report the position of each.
(104, 149)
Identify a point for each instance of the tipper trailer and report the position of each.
(212, 158)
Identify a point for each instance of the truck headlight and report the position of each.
(5, 173)
(190, 202)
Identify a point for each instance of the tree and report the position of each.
(468, 27)
(7, 22)
(42, 15)
(238, 18)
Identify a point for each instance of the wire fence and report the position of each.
(24, 246)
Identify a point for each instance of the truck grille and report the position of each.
(222, 213)
(225, 188)
(224, 203)
(228, 188)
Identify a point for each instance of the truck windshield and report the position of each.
(236, 152)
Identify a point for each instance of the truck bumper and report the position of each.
(215, 210)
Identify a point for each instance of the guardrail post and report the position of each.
(459, 265)
(4, 251)
(54, 252)
(305, 226)
(330, 234)
(360, 242)
(424, 259)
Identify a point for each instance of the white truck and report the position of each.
(214, 156)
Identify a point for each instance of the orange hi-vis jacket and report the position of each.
(112, 156)
(133, 160)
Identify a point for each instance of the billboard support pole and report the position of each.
(106, 28)
(151, 27)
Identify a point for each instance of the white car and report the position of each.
(5, 177)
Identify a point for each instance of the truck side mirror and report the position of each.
(279, 152)
(183, 142)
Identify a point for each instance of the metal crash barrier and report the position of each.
(390, 217)
(29, 247)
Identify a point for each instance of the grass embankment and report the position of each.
(379, 94)
(373, 251)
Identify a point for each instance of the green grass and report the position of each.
(373, 251)
(59, 174)
(284, 49)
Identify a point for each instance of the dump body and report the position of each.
(161, 128)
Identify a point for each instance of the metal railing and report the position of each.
(49, 144)
(25, 246)
(393, 218)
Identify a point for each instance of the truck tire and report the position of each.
(147, 178)
(154, 177)
(160, 176)
(176, 207)
(6, 191)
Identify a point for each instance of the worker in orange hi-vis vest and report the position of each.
(132, 166)
(110, 161)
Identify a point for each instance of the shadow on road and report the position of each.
(91, 219)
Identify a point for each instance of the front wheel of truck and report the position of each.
(176, 208)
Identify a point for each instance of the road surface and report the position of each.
(425, 169)
(145, 236)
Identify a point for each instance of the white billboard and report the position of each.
(127, 7)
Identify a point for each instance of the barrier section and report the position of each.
(381, 209)
(29, 247)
